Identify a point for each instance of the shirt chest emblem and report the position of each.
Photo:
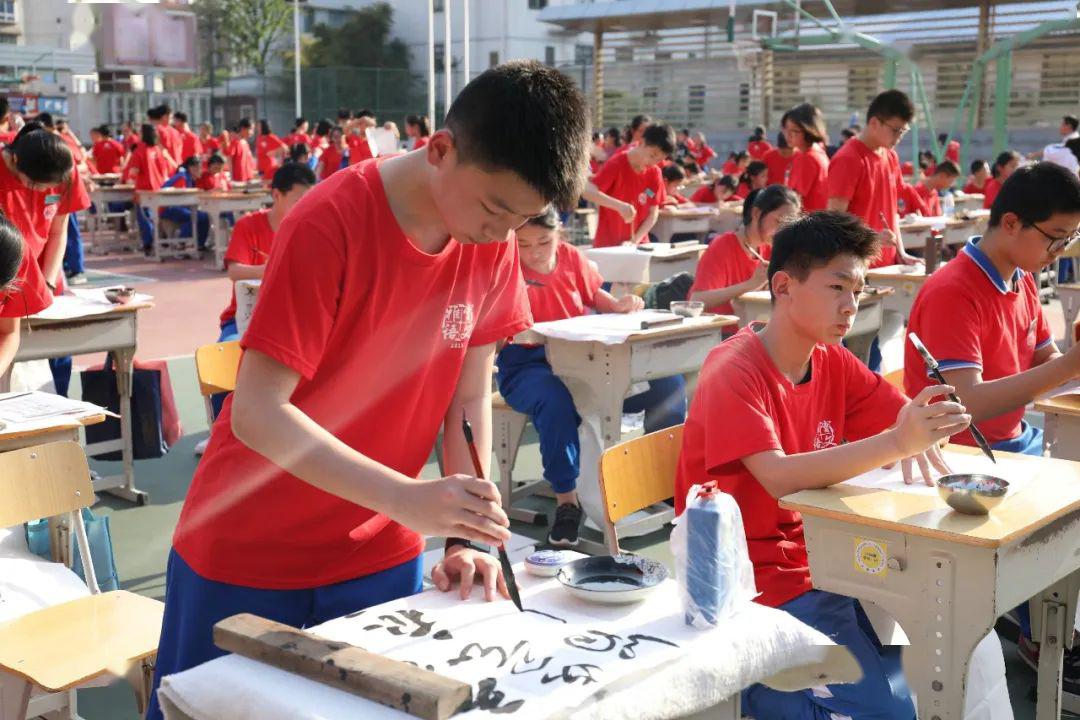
(457, 324)
(825, 437)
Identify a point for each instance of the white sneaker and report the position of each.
(201, 447)
(77, 279)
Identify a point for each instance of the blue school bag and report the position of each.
(98, 536)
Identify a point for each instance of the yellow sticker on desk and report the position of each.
(871, 557)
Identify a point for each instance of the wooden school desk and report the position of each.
(905, 280)
(600, 375)
(102, 237)
(631, 265)
(1061, 426)
(728, 218)
(217, 203)
(947, 577)
(114, 332)
(756, 306)
(153, 201)
(105, 178)
(1069, 293)
(684, 219)
(16, 437)
(968, 201)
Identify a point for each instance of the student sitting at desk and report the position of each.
(108, 154)
(755, 177)
(990, 335)
(928, 189)
(334, 156)
(786, 408)
(214, 178)
(187, 176)
(1004, 166)
(562, 283)
(719, 190)
(630, 190)
(976, 182)
(22, 290)
(733, 263)
(674, 176)
(390, 285)
(148, 166)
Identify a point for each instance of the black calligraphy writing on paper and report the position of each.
(410, 622)
(469, 653)
(528, 665)
(572, 673)
(547, 615)
(490, 698)
(599, 641)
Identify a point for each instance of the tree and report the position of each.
(249, 29)
(363, 40)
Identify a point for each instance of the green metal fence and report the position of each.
(390, 93)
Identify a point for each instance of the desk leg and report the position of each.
(14, 697)
(122, 361)
(1052, 622)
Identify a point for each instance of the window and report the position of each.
(583, 54)
(438, 5)
(549, 54)
(624, 54)
(9, 39)
(537, 4)
(7, 11)
(493, 58)
(648, 99)
(695, 104)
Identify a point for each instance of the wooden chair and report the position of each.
(636, 474)
(508, 426)
(217, 365)
(63, 646)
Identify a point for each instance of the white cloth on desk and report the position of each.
(82, 302)
(1011, 469)
(610, 328)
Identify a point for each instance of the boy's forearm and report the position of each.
(53, 257)
(719, 296)
(647, 225)
(240, 271)
(989, 399)
(594, 195)
(9, 342)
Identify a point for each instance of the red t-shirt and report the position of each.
(778, 166)
(420, 142)
(210, 144)
(132, 141)
(190, 143)
(704, 195)
(931, 202)
(723, 264)
(28, 293)
(742, 191)
(213, 181)
(78, 154)
(909, 202)
(676, 199)
(703, 155)
(870, 182)
(952, 151)
(169, 138)
(378, 332)
(298, 137)
(249, 244)
(359, 148)
(810, 178)
(107, 155)
(744, 406)
(152, 165)
(644, 190)
(968, 317)
(243, 165)
(7, 137)
(264, 145)
(32, 211)
(990, 191)
(972, 189)
(331, 161)
(758, 148)
(567, 290)
(730, 167)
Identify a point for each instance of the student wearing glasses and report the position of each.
(980, 316)
(865, 178)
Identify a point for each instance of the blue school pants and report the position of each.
(1028, 442)
(529, 386)
(194, 604)
(73, 251)
(182, 217)
(229, 332)
(882, 694)
(146, 227)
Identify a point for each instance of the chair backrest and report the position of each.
(43, 481)
(638, 473)
(217, 365)
(896, 379)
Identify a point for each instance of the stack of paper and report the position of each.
(33, 409)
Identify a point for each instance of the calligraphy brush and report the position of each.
(932, 367)
(504, 559)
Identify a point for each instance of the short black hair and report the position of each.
(181, 116)
(673, 172)
(215, 158)
(46, 120)
(947, 167)
(727, 181)
(323, 127)
(756, 167)
(659, 136)
(943, 138)
(1071, 121)
(148, 134)
(4, 107)
(549, 219)
(11, 252)
(363, 112)
(299, 121)
(848, 133)
(1002, 160)
(264, 127)
(768, 199)
(527, 118)
(343, 114)
(421, 122)
(1035, 192)
(638, 121)
(297, 150)
(244, 123)
(41, 155)
(191, 162)
(813, 240)
(156, 113)
(290, 175)
(741, 155)
(759, 131)
(891, 104)
(976, 165)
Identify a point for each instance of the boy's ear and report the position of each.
(1011, 223)
(440, 145)
(781, 283)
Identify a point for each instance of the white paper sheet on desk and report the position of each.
(28, 409)
(1014, 471)
(610, 328)
(82, 302)
(525, 666)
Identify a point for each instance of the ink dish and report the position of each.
(612, 579)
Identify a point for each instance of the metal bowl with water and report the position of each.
(687, 308)
(972, 493)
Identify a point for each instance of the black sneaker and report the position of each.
(564, 531)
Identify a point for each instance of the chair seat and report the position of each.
(29, 584)
(498, 403)
(65, 645)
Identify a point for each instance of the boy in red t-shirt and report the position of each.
(388, 288)
(786, 408)
(1004, 166)
(630, 189)
(941, 180)
(864, 174)
(239, 152)
(994, 342)
(190, 144)
(168, 137)
(757, 145)
(980, 174)
(108, 154)
(562, 283)
(674, 176)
